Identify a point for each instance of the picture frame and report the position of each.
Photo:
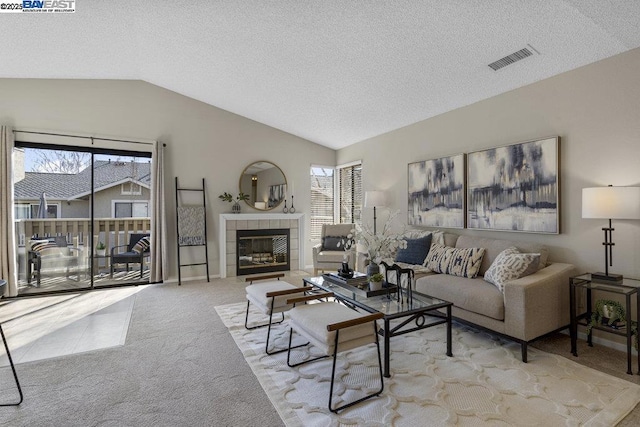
(436, 192)
(515, 187)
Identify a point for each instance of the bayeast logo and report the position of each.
(48, 5)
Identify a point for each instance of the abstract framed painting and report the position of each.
(436, 192)
(515, 187)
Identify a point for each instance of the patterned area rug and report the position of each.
(484, 383)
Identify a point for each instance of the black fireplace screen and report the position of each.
(261, 251)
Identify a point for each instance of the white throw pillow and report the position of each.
(510, 264)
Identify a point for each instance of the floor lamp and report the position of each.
(610, 203)
(371, 200)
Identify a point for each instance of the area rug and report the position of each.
(484, 383)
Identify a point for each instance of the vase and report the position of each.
(372, 269)
(101, 252)
(375, 286)
(236, 208)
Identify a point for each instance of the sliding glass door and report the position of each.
(82, 217)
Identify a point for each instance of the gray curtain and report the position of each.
(159, 269)
(8, 265)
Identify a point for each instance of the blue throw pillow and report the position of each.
(416, 251)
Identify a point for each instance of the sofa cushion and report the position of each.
(416, 251)
(457, 262)
(493, 247)
(511, 264)
(333, 243)
(473, 295)
(331, 256)
(312, 320)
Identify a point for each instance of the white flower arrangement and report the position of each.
(381, 245)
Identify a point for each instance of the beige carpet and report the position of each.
(485, 383)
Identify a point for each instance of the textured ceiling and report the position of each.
(332, 71)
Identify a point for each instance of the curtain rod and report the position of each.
(84, 137)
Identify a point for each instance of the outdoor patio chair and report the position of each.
(51, 255)
(136, 251)
(333, 328)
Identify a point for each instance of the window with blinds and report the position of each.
(322, 209)
(350, 191)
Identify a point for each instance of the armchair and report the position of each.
(136, 251)
(331, 252)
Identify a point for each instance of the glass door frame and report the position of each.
(93, 151)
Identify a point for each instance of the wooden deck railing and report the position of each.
(111, 231)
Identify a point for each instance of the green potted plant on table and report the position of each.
(228, 197)
(375, 282)
(611, 313)
(101, 249)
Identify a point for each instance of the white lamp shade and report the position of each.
(260, 205)
(611, 202)
(373, 199)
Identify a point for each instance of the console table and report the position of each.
(627, 288)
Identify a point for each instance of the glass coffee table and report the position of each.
(401, 315)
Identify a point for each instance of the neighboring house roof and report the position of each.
(59, 186)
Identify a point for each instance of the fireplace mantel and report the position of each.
(229, 223)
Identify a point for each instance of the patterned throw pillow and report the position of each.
(510, 264)
(142, 245)
(463, 262)
(416, 251)
(40, 245)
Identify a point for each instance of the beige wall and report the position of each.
(202, 141)
(596, 112)
(594, 109)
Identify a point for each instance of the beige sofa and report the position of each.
(530, 307)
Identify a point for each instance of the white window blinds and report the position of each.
(322, 184)
(350, 191)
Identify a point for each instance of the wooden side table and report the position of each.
(628, 288)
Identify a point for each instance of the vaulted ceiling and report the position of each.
(334, 72)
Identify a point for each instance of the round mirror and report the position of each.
(265, 184)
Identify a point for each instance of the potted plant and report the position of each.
(228, 197)
(375, 282)
(611, 313)
(101, 249)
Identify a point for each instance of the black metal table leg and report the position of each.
(629, 337)
(637, 320)
(573, 330)
(387, 349)
(13, 368)
(449, 352)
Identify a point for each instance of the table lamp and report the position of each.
(610, 203)
(373, 199)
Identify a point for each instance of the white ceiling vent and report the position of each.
(514, 57)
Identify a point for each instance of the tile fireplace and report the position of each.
(230, 224)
